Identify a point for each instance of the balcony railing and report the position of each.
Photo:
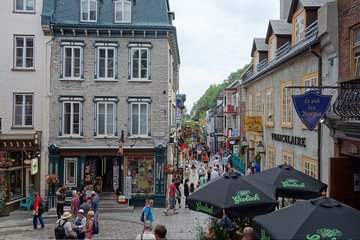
(263, 64)
(238, 163)
(347, 104)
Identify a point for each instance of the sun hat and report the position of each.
(66, 215)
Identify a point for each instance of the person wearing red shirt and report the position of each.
(206, 160)
(37, 211)
(172, 197)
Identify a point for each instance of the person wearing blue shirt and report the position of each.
(148, 212)
(95, 203)
(224, 161)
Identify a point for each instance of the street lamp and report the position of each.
(245, 144)
(260, 148)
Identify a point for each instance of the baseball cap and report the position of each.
(81, 211)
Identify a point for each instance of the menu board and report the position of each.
(115, 177)
(128, 187)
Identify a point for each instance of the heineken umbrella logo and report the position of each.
(291, 182)
(264, 235)
(324, 233)
(200, 207)
(245, 196)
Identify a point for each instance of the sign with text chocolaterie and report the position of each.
(311, 107)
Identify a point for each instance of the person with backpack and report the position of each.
(147, 213)
(64, 227)
(89, 227)
(61, 195)
(79, 225)
(38, 210)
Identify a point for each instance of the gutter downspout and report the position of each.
(319, 125)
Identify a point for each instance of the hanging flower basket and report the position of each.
(52, 180)
(6, 162)
(258, 157)
(169, 169)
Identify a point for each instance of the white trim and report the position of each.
(139, 119)
(63, 67)
(88, 10)
(139, 78)
(24, 10)
(106, 113)
(24, 49)
(123, 2)
(23, 110)
(106, 59)
(71, 118)
(73, 160)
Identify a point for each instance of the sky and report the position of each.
(215, 39)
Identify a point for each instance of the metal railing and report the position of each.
(281, 51)
(263, 64)
(347, 104)
(238, 163)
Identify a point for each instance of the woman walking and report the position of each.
(89, 225)
(186, 191)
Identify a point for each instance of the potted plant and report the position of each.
(52, 180)
(169, 169)
(6, 162)
(258, 157)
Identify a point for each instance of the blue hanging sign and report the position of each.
(311, 107)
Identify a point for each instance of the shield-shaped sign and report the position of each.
(311, 107)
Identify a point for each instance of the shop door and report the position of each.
(29, 182)
(344, 180)
(107, 174)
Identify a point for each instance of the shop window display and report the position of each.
(11, 175)
(141, 169)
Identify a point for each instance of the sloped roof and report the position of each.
(279, 28)
(306, 4)
(259, 45)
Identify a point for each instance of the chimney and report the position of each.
(284, 9)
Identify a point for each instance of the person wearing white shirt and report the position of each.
(147, 233)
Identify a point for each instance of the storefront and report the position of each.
(17, 178)
(104, 170)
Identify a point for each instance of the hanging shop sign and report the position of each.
(128, 187)
(34, 166)
(253, 123)
(311, 107)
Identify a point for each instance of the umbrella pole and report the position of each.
(282, 202)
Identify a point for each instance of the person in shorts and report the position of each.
(172, 197)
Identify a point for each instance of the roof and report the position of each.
(279, 28)
(259, 45)
(296, 4)
(144, 13)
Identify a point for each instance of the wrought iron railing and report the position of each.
(238, 163)
(347, 104)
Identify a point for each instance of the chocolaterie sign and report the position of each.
(299, 141)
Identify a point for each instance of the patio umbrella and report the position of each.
(238, 195)
(321, 218)
(290, 182)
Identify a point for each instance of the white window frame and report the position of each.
(286, 105)
(107, 46)
(258, 104)
(269, 114)
(71, 100)
(106, 115)
(272, 48)
(299, 25)
(139, 102)
(123, 4)
(72, 45)
(23, 107)
(26, 4)
(88, 10)
(68, 161)
(288, 158)
(310, 167)
(271, 157)
(24, 50)
(139, 47)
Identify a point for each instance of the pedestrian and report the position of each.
(202, 180)
(192, 187)
(86, 205)
(224, 162)
(89, 225)
(201, 171)
(178, 195)
(75, 203)
(38, 211)
(206, 159)
(172, 198)
(216, 160)
(65, 222)
(248, 233)
(160, 232)
(186, 191)
(208, 174)
(79, 224)
(148, 211)
(214, 173)
(95, 201)
(147, 232)
(61, 195)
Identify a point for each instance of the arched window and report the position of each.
(122, 11)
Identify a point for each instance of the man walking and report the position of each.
(148, 212)
(38, 209)
(172, 197)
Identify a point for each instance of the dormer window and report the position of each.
(122, 11)
(272, 48)
(88, 10)
(298, 26)
(255, 60)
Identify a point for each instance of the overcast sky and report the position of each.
(215, 39)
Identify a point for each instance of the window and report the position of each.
(72, 60)
(105, 116)
(24, 5)
(123, 11)
(310, 79)
(355, 55)
(271, 157)
(24, 52)
(70, 169)
(272, 48)
(288, 158)
(269, 112)
(106, 58)
(255, 61)
(140, 64)
(139, 116)
(258, 104)
(141, 169)
(250, 106)
(23, 110)
(298, 26)
(309, 166)
(71, 116)
(88, 10)
(286, 105)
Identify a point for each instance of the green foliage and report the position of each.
(208, 99)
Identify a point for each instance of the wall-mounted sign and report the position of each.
(311, 107)
(353, 149)
(34, 166)
(299, 141)
(128, 187)
(253, 123)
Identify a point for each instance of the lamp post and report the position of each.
(260, 149)
(245, 144)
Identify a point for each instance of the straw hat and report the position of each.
(66, 215)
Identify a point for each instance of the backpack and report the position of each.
(41, 207)
(95, 226)
(60, 231)
(143, 214)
